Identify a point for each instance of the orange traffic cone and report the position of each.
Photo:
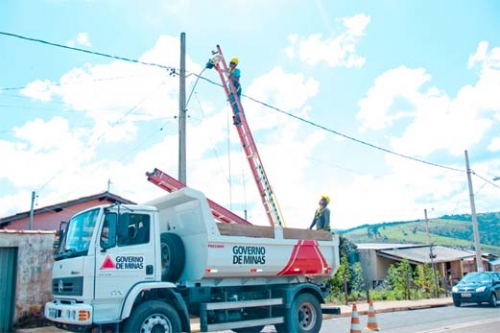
(372, 320)
(355, 326)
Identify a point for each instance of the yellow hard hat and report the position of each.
(235, 60)
(326, 198)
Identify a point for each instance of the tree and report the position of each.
(401, 278)
(356, 278)
(426, 280)
(338, 282)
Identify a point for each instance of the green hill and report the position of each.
(452, 231)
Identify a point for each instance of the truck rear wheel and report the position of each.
(304, 316)
(153, 316)
(173, 256)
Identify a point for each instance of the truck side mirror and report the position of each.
(108, 232)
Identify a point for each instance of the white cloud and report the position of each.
(420, 120)
(479, 56)
(82, 39)
(437, 120)
(41, 151)
(41, 90)
(335, 51)
(399, 82)
(494, 144)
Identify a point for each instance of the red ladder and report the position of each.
(265, 190)
(170, 184)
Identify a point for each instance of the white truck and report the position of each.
(155, 267)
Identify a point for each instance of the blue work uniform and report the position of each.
(234, 76)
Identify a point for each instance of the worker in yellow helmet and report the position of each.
(234, 77)
(322, 215)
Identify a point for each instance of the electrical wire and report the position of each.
(61, 84)
(101, 54)
(486, 180)
(194, 86)
(339, 133)
(103, 133)
(174, 71)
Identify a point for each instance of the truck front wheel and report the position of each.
(153, 316)
(304, 316)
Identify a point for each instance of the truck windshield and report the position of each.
(76, 239)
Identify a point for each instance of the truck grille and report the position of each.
(71, 286)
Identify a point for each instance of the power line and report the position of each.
(338, 133)
(60, 84)
(486, 180)
(106, 55)
(173, 72)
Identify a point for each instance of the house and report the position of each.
(495, 265)
(376, 259)
(27, 256)
(50, 217)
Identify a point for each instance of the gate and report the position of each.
(8, 269)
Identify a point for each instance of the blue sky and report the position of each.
(416, 78)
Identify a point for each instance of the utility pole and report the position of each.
(431, 253)
(182, 111)
(427, 227)
(479, 258)
(30, 223)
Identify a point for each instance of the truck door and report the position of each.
(123, 260)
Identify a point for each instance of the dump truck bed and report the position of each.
(215, 251)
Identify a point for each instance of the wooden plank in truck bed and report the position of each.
(268, 232)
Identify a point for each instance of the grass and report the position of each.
(414, 232)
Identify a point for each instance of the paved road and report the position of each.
(423, 316)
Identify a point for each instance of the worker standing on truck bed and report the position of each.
(322, 215)
(234, 76)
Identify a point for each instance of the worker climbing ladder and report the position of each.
(265, 190)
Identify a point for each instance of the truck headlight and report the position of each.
(454, 289)
(481, 289)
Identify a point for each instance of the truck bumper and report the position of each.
(70, 314)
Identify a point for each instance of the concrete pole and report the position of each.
(431, 253)
(479, 258)
(427, 228)
(182, 111)
(32, 212)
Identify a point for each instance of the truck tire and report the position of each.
(304, 316)
(153, 316)
(253, 329)
(173, 256)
